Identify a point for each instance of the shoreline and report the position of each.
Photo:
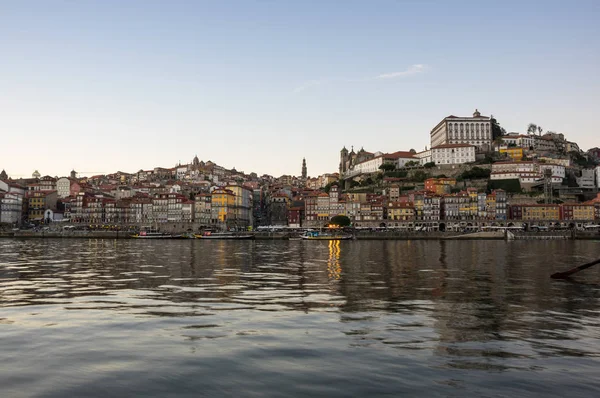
(558, 235)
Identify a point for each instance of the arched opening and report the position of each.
(442, 227)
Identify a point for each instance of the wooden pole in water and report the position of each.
(565, 274)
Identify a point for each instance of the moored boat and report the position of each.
(152, 235)
(223, 235)
(317, 235)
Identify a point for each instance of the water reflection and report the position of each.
(334, 269)
(447, 308)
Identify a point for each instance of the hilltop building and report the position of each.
(476, 130)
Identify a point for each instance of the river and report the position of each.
(99, 318)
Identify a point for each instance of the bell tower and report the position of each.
(304, 168)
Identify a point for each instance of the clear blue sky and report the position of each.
(104, 85)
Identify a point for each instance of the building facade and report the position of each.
(476, 131)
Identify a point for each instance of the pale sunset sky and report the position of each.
(109, 85)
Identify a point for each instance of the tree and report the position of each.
(497, 130)
(387, 167)
(420, 176)
(411, 163)
(340, 221)
(532, 128)
(429, 165)
(540, 129)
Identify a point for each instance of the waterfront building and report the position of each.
(202, 209)
(222, 203)
(323, 207)
(174, 207)
(295, 216)
(140, 210)
(187, 211)
(242, 206)
(400, 211)
(310, 207)
(277, 212)
(160, 208)
(476, 131)
(447, 154)
(11, 207)
(577, 212)
(535, 212)
(38, 202)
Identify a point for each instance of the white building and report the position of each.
(587, 179)
(453, 154)
(368, 166)
(520, 167)
(11, 207)
(400, 158)
(558, 170)
(63, 187)
(598, 176)
(476, 130)
(424, 157)
(519, 140)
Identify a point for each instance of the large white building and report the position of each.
(453, 154)
(476, 130)
(519, 140)
(424, 157)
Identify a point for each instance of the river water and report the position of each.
(100, 318)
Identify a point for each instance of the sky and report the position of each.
(112, 85)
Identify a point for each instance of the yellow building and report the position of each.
(401, 211)
(515, 153)
(541, 212)
(583, 212)
(222, 205)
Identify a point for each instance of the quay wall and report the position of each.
(362, 235)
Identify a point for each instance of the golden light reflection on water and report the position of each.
(334, 269)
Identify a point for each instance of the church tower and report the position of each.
(343, 160)
(304, 168)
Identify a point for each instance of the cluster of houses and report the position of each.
(207, 195)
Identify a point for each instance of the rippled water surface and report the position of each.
(299, 319)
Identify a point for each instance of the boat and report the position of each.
(318, 235)
(223, 235)
(152, 235)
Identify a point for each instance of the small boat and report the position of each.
(223, 235)
(317, 235)
(152, 235)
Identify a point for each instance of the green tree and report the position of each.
(387, 167)
(429, 165)
(497, 130)
(411, 163)
(340, 221)
(532, 128)
(420, 176)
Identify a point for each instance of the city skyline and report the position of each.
(105, 87)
